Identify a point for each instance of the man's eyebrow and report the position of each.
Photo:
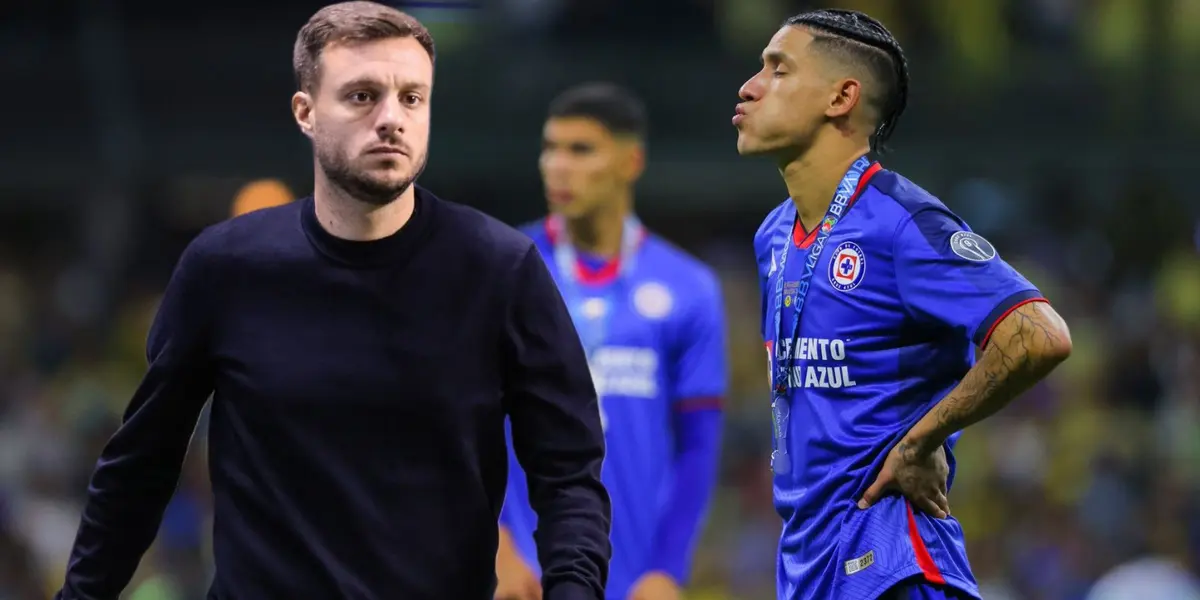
(774, 57)
(368, 81)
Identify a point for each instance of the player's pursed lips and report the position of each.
(739, 114)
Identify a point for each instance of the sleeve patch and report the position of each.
(972, 246)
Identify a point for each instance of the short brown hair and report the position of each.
(350, 22)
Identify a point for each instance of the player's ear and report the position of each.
(303, 112)
(635, 161)
(846, 95)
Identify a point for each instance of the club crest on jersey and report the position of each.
(847, 267)
(594, 308)
(972, 246)
(653, 300)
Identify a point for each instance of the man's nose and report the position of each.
(391, 117)
(750, 91)
(555, 163)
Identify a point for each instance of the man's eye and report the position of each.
(412, 99)
(361, 97)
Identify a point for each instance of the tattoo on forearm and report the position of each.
(1026, 346)
(909, 451)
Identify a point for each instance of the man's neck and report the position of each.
(599, 232)
(813, 178)
(348, 218)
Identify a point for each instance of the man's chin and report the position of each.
(385, 177)
(569, 210)
(379, 191)
(398, 184)
(748, 147)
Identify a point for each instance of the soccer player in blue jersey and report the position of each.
(890, 326)
(651, 319)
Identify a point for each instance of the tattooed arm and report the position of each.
(1024, 347)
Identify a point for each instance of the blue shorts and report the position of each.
(918, 589)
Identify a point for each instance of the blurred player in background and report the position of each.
(651, 319)
(363, 348)
(889, 325)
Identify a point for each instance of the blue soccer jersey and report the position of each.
(660, 373)
(900, 296)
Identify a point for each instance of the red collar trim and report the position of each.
(586, 274)
(803, 239)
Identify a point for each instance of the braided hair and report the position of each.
(866, 41)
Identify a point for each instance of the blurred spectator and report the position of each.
(1147, 579)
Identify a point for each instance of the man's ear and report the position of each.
(847, 94)
(633, 159)
(303, 112)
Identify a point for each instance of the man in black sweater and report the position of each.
(364, 346)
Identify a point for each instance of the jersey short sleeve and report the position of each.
(953, 277)
(698, 362)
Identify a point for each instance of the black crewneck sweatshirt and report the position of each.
(359, 391)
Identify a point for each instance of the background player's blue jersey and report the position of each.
(660, 374)
(901, 296)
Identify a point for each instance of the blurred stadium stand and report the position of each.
(1064, 130)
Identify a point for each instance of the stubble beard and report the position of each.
(341, 172)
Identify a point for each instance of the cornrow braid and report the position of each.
(858, 27)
